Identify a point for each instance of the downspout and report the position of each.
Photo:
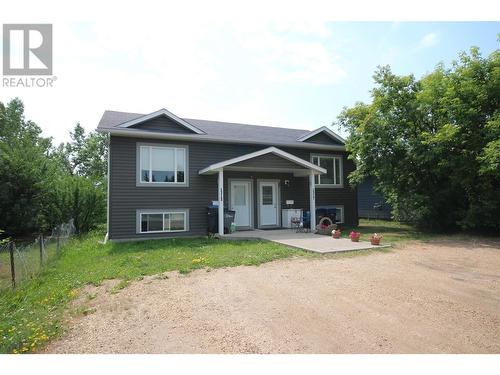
(106, 237)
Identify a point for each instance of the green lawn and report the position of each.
(32, 314)
(392, 232)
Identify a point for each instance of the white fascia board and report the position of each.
(124, 132)
(323, 129)
(161, 112)
(270, 150)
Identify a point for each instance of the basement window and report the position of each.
(160, 221)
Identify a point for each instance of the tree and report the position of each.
(86, 155)
(433, 144)
(42, 186)
(25, 165)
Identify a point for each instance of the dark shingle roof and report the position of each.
(216, 129)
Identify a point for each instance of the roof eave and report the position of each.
(322, 129)
(125, 132)
(213, 168)
(161, 112)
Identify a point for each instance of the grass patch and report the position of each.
(32, 314)
(83, 310)
(392, 232)
(121, 285)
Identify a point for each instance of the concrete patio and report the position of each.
(305, 241)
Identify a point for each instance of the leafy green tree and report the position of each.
(87, 155)
(42, 186)
(77, 198)
(433, 144)
(25, 165)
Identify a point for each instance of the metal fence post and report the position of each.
(12, 267)
(41, 249)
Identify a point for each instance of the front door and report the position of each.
(268, 204)
(240, 202)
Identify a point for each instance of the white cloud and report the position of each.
(195, 62)
(428, 40)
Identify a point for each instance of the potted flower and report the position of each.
(354, 236)
(375, 239)
(336, 233)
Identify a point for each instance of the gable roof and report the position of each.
(161, 112)
(212, 131)
(270, 150)
(324, 130)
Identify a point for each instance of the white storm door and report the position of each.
(241, 203)
(268, 203)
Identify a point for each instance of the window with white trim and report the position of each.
(160, 164)
(333, 166)
(163, 221)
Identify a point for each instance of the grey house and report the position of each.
(165, 170)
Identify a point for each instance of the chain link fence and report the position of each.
(24, 260)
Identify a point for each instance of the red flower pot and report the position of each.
(375, 240)
(336, 234)
(354, 236)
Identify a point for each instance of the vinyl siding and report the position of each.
(269, 161)
(163, 124)
(323, 139)
(126, 197)
(367, 198)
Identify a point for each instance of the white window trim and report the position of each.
(341, 167)
(183, 211)
(150, 183)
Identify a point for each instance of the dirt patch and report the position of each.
(436, 297)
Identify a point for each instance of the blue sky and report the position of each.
(289, 73)
(409, 48)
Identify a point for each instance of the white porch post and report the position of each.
(221, 201)
(312, 201)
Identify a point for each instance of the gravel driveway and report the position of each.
(436, 297)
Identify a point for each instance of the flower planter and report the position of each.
(336, 233)
(325, 226)
(375, 239)
(354, 236)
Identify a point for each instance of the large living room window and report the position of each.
(333, 165)
(158, 221)
(163, 165)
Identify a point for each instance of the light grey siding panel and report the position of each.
(126, 197)
(163, 124)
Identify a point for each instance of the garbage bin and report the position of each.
(228, 220)
(213, 219)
